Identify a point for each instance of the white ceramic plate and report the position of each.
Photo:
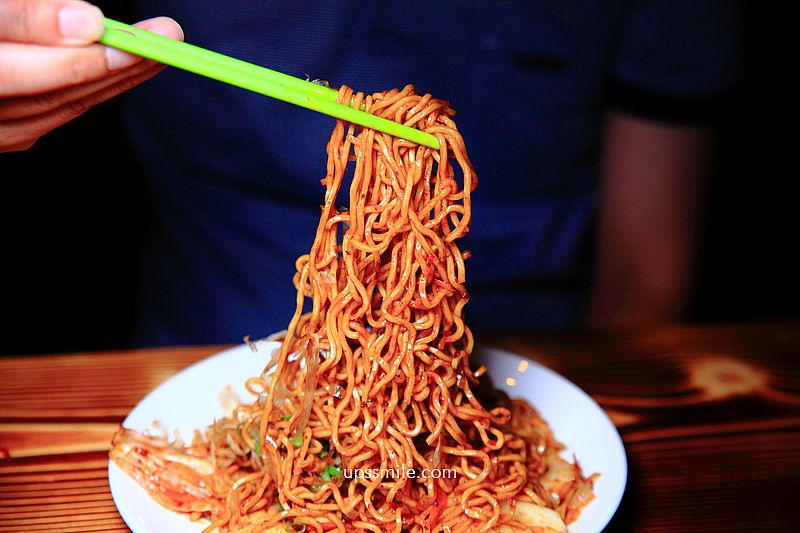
(190, 400)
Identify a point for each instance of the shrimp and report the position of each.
(177, 480)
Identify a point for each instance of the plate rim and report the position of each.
(619, 447)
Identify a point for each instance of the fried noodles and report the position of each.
(374, 373)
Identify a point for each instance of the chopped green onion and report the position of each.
(286, 417)
(257, 447)
(300, 529)
(296, 441)
(330, 472)
(280, 507)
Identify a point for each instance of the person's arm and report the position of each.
(50, 70)
(648, 213)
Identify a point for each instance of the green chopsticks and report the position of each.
(251, 77)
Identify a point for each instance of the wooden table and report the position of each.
(710, 417)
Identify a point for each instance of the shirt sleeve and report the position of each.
(676, 60)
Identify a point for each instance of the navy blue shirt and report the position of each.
(236, 176)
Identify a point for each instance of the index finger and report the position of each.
(50, 22)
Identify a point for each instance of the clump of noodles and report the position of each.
(373, 371)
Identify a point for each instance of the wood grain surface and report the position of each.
(710, 416)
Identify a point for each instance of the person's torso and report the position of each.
(236, 175)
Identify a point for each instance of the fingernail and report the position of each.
(82, 24)
(162, 31)
(164, 27)
(117, 59)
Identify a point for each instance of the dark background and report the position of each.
(76, 216)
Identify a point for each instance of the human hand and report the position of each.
(51, 70)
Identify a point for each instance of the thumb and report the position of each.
(50, 22)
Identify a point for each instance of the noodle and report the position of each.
(374, 375)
